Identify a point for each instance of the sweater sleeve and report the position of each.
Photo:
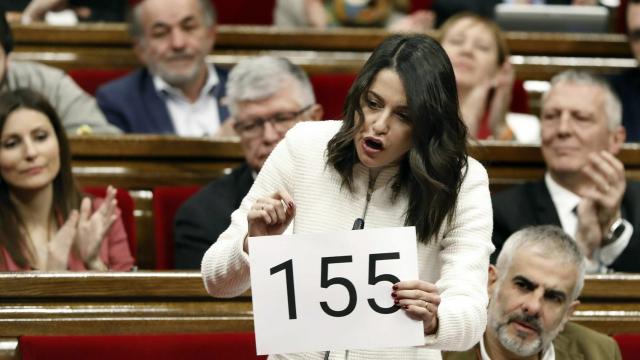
(225, 265)
(464, 256)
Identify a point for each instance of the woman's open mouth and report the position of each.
(373, 144)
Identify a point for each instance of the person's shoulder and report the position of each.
(124, 84)
(470, 354)
(475, 168)
(518, 189)
(220, 187)
(633, 186)
(22, 70)
(575, 330)
(586, 339)
(314, 131)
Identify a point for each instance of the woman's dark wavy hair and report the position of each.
(432, 171)
(66, 196)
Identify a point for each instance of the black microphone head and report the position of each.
(358, 224)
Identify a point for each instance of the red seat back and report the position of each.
(91, 79)
(331, 90)
(245, 12)
(166, 201)
(239, 346)
(126, 206)
(519, 98)
(629, 345)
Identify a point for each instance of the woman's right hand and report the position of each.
(60, 244)
(271, 215)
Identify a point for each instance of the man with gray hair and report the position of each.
(533, 290)
(177, 92)
(584, 189)
(267, 96)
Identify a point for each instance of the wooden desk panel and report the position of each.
(141, 162)
(340, 39)
(176, 302)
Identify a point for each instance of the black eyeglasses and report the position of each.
(634, 35)
(281, 122)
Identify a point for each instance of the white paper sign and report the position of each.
(294, 313)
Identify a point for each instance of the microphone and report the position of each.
(358, 224)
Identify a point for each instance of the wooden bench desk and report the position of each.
(68, 303)
(141, 162)
(231, 37)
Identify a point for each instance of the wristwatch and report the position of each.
(616, 229)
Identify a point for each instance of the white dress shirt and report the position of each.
(565, 201)
(197, 119)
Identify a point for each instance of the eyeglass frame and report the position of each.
(259, 122)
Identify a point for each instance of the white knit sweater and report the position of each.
(456, 262)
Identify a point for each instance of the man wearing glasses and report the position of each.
(627, 84)
(266, 97)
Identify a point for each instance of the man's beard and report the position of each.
(177, 79)
(517, 344)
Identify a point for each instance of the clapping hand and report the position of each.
(93, 227)
(608, 186)
(502, 85)
(60, 244)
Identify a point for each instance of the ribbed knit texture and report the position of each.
(457, 261)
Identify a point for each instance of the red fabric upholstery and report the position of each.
(241, 12)
(245, 12)
(420, 5)
(126, 205)
(91, 79)
(135, 347)
(519, 98)
(331, 90)
(166, 201)
(629, 345)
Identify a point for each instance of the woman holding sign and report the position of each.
(397, 159)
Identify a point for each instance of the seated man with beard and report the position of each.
(533, 290)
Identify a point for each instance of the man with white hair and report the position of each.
(267, 96)
(177, 92)
(584, 189)
(533, 290)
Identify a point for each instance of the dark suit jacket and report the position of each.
(202, 218)
(575, 342)
(132, 103)
(531, 204)
(627, 86)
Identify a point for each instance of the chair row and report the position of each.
(157, 173)
(238, 346)
(330, 89)
(115, 309)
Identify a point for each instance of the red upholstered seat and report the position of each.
(245, 12)
(91, 79)
(519, 98)
(166, 201)
(629, 345)
(126, 205)
(238, 346)
(331, 90)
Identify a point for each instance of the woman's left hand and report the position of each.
(420, 300)
(93, 227)
(502, 84)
